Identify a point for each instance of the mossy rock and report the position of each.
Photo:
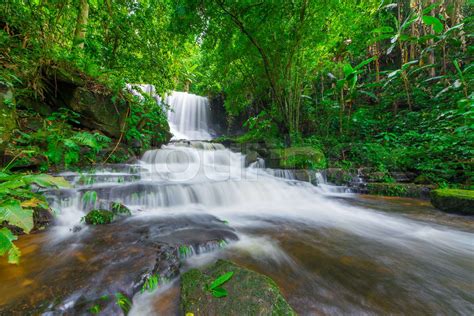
(297, 158)
(99, 217)
(400, 189)
(99, 111)
(119, 209)
(453, 201)
(249, 293)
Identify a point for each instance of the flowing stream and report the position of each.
(331, 252)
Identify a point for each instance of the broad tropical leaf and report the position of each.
(12, 212)
(7, 246)
(45, 180)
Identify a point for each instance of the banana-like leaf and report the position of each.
(434, 22)
(8, 247)
(12, 212)
(45, 180)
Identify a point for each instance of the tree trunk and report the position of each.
(431, 56)
(81, 23)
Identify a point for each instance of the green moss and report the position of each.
(454, 200)
(399, 189)
(99, 217)
(249, 293)
(298, 158)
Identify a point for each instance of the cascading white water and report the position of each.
(188, 116)
(197, 176)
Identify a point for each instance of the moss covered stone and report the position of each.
(454, 200)
(400, 189)
(99, 217)
(249, 293)
(297, 158)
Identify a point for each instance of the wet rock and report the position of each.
(251, 157)
(99, 217)
(453, 201)
(338, 176)
(100, 262)
(249, 293)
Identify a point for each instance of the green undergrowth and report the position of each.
(18, 204)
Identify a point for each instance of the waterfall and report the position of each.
(191, 176)
(188, 116)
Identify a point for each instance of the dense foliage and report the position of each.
(383, 84)
(17, 204)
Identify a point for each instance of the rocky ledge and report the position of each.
(453, 201)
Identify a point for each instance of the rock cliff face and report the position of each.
(99, 109)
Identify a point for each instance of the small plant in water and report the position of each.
(98, 217)
(90, 197)
(120, 209)
(215, 288)
(95, 309)
(151, 283)
(222, 243)
(184, 251)
(123, 302)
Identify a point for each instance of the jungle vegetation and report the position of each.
(386, 84)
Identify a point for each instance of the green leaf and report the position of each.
(7, 246)
(221, 280)
(434, 22)
(383, 29)
(12, 212)
(45, 180)
(219, 292)
(431, 7)
(365, 62)
(348, 70)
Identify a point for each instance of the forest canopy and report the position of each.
(385, 84)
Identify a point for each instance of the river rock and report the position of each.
(453, 200)
(249, 293)
(88, 271)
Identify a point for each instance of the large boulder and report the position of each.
(453, 200)
(249, 293)
(99, 111)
